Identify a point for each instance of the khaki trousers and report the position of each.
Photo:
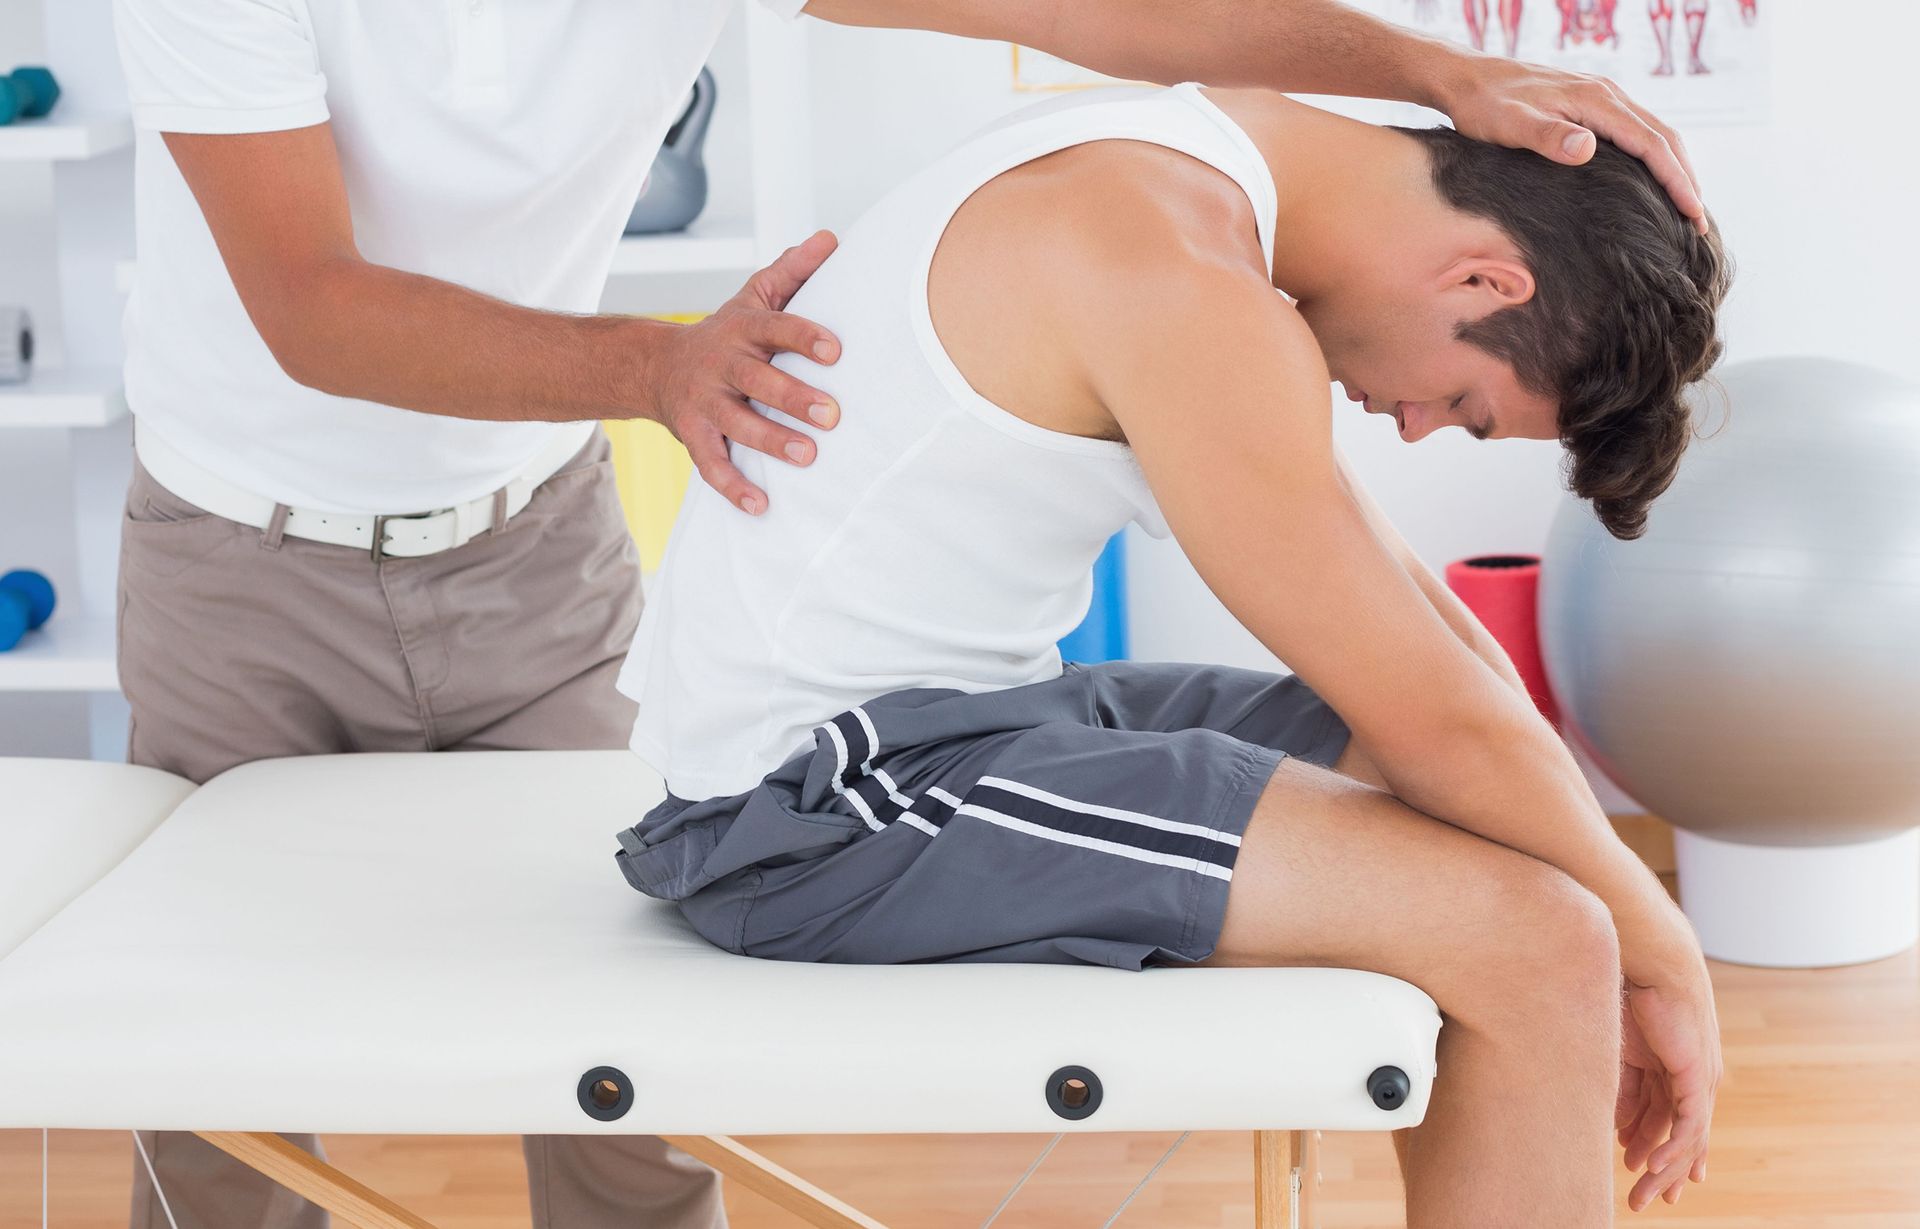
(238, 644)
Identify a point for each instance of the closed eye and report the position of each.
(1479, 431)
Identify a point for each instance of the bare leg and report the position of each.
(1522, 961)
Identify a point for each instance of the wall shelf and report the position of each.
(64, 397)
(64, 138)
(70, 653)
(723, 244)
(710, 245)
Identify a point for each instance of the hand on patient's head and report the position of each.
(1557, 114)
(705, 373)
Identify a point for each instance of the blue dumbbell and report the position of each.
(26, 601)
(27, 93)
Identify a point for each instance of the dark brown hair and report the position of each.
(1623, 315)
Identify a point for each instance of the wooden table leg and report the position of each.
(1286, 1176)
(773, 1181)
(312, 1178)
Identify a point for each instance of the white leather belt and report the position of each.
(401, 536)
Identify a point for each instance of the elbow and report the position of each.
(295, 355)
(293, 321)
(1455, 752)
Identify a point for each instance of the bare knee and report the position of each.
(1560, 954)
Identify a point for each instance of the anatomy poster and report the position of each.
(1690, 61)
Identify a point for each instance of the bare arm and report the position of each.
(1461, 621)
(1221, 390)
(277, 207)
(1314, 47)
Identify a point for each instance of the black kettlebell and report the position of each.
(676, 187)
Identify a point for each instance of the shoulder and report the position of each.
(1134, 234)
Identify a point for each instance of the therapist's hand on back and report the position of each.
(701, 376)
(276, 204)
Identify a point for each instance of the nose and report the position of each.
(1418, 421)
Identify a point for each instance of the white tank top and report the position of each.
(938, 540)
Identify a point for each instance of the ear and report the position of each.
(1497, 281)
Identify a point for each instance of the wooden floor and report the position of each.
(1819, 1128)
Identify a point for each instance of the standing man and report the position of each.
(371, 511)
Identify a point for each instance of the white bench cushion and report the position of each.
(442, 943)
(65, 823)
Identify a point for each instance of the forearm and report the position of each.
(1466, 625)
(1462, 622)
(379, 334)
(1512, 780)
(1300, 46)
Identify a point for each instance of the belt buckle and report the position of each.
(379, 551)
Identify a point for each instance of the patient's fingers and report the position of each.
(1692, 1122)
(1631, 1097)
(1652, 1127)
(1638, 1110)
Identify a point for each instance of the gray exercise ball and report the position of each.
(1750, 669)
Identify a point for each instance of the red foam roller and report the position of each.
(1504, 592)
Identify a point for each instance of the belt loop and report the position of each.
(276, 529)
(500, 510)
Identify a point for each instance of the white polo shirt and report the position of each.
(498, 144)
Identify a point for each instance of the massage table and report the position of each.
(438, 944)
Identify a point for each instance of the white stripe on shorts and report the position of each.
(904, 803)
(1132, 817)
(859, 803)
(1088, 842)
(873, 737)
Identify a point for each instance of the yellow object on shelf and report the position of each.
(652, 471)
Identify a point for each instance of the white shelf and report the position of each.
(64, 138)
(64, 397)
(710, 244)
(720, 245)
(70, 653)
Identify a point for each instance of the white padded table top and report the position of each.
(442, 943)
(65, 823)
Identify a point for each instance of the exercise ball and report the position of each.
(1747, 669)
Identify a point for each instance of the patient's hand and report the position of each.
(704, 373)
(1557, 113)
(1669, 1074)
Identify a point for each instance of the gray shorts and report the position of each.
(1093, 818)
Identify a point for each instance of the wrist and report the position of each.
(1658, 946)
(1441, 74)
(637, 351)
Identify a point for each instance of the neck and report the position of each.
(1355, 199)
